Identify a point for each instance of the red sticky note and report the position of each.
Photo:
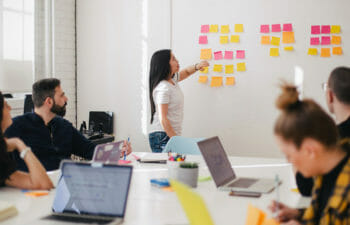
(203, 39)
(325, 40)
(315, 29)
(218, 55)
(240, 54)
(326, 29)
(264, 28)
(276, 28)
(287, 27)
(205, 29)
(314, 41)
(228, 55)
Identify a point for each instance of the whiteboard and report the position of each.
(243, 115)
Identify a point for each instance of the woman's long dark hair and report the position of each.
(159, 70)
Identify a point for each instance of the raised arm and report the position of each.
(188, 71)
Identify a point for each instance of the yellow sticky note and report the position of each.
(229, 69)
(234, 38)
(230, 80)
(337, 51)
(312, 51)
(325, 52)
(265, 40)
(288, 37)
(193, 204)
(241, 67)
(254, 216)
(205, 70)
(225, 29)
(270, 221)
(206, 53)
(335, 29)
(203, 79)
(289, 48)
(217, 68)
(336, 40)
(238, 28)
(275, 41)
(214, 28)
(223, 39)
(216, 82)
(274, 52)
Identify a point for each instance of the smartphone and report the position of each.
(245, 194)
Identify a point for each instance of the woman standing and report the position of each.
(166, 97)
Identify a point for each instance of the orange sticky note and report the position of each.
(265, 40)
(241, 67)
(234, 38)
(288, 37)
(228, 69)
(225, 29)
(336, 40)
(255, 216)
(335, 29)
(274, 52)
(214, 28)
(230, 80)
(36, 193)
(203, 79)
(223, 39)
(289, 48)
(205, 70)
(312, 51)
(238, 28)
(206, 53)
(275, 41)
(325, 52)
(217, 68)
(337, 51)
(270, 221)
(216, 82)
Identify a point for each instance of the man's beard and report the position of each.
(59, 110)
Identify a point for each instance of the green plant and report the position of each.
(189, 165)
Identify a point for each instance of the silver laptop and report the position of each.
(223, 174)
(108, 153)
(91, 193)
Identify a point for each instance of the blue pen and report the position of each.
(125, 152)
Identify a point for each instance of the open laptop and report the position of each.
(108, 153)
(91, 193)
(223, 174)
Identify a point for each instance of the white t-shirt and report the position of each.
(171, 94)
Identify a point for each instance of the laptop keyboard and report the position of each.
(75, 219)
(243, 183)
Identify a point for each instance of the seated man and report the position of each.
(50, 137)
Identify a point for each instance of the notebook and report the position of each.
(108, 153)
(91, 193)
(222, 172)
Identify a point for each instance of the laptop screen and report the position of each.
(217, 161)
(108, 153)
(85, 188)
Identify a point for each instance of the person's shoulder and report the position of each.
(163, 85)
(62, 121)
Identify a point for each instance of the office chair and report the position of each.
(183, 145)
(28, 104)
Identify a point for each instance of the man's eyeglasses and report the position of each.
(324, 86)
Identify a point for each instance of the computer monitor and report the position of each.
(101, 120)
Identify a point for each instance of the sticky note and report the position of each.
(265, 40)
(336, 40)
(203, 79)
(203, 39)
(240, 54)
(264, 28)
(289, 48)
(123, 162)
(205, 28)
(312, 51)
(255, 216)
(314, 41)
(337, 51)
(288, 37)
(228, 55)
(276, 27)
(287, 27)
(216, 82)
(275, 41)
(36, 193)
(274, 52)
(230, 80)
(205, 70)
(325, 52)
(218, 55)
(205, 53)
(228, 69)
(325, 40)
(234, 39)
(315, 29)
(335, 29)
(214, 28)
(223, 39)
(238, 28)
(241, 67)
(270, 221)
(325, 29)
(217, 68)
(225, 29)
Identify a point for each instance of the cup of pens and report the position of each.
(173, 164)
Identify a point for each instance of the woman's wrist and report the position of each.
(195, 67)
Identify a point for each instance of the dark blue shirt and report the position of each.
(51, 143)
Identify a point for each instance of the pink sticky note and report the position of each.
(287, 27)
(315, 29)
(276, 28)
(205, 29)
(122, 162)
(203, 39)
(228, 54)
(326, 29)
(264, 28)
(240, 54)
(325, 40)
(218, 55)
(314, 41)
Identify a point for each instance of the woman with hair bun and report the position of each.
(309, 138)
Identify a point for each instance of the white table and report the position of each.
(150, 205)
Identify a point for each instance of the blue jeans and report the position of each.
(158, 140)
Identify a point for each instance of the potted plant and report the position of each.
(188, 173)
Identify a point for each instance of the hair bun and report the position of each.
(288, 98)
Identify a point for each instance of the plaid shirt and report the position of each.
(337, 210)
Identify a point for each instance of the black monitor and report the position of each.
(101, 121)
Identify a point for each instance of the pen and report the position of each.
(277, 194)
(126, 147)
